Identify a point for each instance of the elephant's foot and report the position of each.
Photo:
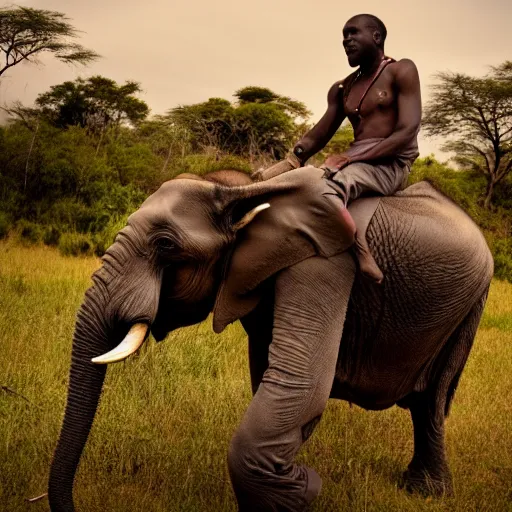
(428, 483)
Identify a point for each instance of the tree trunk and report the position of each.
(100, 141)
(488, 194)
(166, 163)
(29, 155)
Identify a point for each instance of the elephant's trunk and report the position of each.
(85, 385)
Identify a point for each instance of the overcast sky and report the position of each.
(185, 52)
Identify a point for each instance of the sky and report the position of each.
(184, 52)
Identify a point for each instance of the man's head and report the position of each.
(363, 38)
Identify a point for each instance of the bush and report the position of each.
(51, 235)
(502, 252)
(5, 225)
(104, 239)
(201, 164)
(75, 244)
(29, 232)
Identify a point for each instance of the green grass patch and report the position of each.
(160, 438)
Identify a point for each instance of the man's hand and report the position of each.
(289, 163)
(336, 162)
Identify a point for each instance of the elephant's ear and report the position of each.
(304, 219)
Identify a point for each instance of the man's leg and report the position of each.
(359, 179)
(310, 306)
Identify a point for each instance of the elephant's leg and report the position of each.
(428, 470)
(258, 326)
(311, 299)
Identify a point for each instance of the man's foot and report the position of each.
(367, 263)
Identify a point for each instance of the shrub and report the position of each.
(201, 164)
(502, 252)
(104, 239)
(29, 232)
(51, 235)
(5, 225)
(75, 244)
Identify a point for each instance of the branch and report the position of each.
(482, 153)
(484, 121)
(506, 170)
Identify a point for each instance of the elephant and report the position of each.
(275, 256)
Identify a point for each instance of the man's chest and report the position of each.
(361, 97)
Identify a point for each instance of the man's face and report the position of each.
(358, 40)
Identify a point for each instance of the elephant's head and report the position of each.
(193, 247)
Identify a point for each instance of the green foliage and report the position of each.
(75, 244)
(476, 115)
(135, 164)
(103, 239)
(25, 33)
(5, 225)
(261, 123)
(29, 232)
(96, 103)
(466, 189)
(51, 235)
(253, 94)
(201, 164)
(339, 143)
(502, 250)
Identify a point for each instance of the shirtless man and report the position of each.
(382, 101)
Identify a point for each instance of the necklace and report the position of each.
(383, 63)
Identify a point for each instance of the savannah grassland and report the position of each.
(160, 438)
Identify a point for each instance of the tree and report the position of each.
(96, 103)
(260, 123)
(476, 113)
(209, 123)
(253, 94)
(165, 139)
(26, 33)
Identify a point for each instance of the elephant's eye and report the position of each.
(165, 245)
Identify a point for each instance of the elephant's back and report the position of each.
(431, 250)
(423, 225)
(436, 265)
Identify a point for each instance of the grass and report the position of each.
(160, 438)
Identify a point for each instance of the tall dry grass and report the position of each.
(160, 438)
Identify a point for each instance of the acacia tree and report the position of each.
(25, 33)
(96, 103)
(260, 123)
(476, 114)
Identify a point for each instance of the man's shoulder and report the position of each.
(403, 66)
(344, 82)
(404, 71)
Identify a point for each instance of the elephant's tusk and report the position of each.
(131, 343)
(249, 216)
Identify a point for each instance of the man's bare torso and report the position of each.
(378, 113)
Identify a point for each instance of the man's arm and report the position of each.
(314, 140)
(409, 114)
(317, 138)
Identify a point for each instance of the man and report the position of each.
(382, 101)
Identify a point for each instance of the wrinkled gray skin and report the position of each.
(405, 342)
